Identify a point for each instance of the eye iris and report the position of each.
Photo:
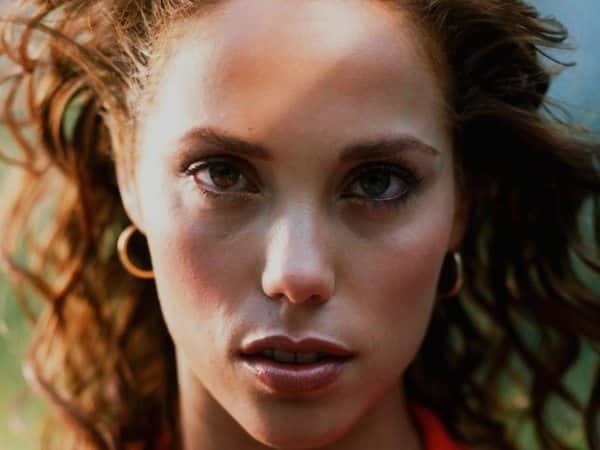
(376, 182)
(223, 175)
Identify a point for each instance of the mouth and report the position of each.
(283, 365)
(296, 358)
(284, 349)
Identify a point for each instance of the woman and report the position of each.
(359, 221)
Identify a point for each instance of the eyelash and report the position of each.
(407, 176)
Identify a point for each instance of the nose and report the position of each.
(297, 265)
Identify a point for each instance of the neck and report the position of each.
(206, 425)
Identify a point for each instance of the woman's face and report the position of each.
(295, 177)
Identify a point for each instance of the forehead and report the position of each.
(274, 63)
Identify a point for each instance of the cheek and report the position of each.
(202, 279)
(192, 263)
(394, 286)
(413, 268)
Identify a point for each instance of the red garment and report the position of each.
(435, 436)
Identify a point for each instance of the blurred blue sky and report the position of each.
(579, 87)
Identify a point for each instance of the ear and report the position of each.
(461, 215)
(128, 188)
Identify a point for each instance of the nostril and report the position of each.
(312, 299)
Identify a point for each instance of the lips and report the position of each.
(282, 365)
(287, 350)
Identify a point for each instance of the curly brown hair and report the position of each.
(78, 72)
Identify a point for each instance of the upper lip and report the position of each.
(288, 344)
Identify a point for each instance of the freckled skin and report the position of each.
(296, 258)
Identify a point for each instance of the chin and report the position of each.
(301, 436)
(294, 441)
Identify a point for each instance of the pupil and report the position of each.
(223, 175)
(376, 183)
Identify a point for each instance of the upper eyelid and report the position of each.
(375, 164)
(399, 168)
(397, 161)
(236, 161)
(206, 159)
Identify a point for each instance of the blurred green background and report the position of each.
(577, 87)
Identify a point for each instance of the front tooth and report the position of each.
(285, 357)
(268, 353)
(306, 358)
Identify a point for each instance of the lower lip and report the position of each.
(295, 378)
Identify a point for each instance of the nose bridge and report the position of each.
(297, 264)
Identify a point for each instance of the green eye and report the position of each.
(382, 183)
(376, 182)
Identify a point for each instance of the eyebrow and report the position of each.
(369, 149)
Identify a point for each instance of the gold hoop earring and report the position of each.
(459, 277)
(122, 244)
